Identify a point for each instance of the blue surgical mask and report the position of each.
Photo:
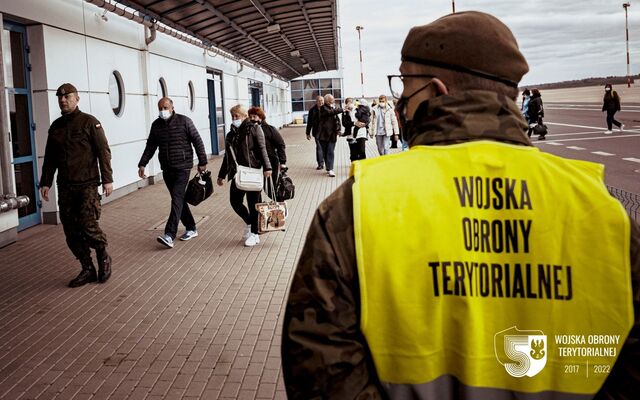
(236, 123)
(165, 114)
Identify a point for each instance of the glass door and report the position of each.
(22, 129)
(216, 111)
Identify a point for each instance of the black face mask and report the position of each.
(407, 126)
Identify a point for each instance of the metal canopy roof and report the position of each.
(240, 28)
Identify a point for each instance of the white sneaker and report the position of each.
(252, 240)
(246, 232)
(189, 235)
(608, 132)
(331, 174)
(621, 128)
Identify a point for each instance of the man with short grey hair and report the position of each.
(328, 131)
(313, 122)
(175, 136)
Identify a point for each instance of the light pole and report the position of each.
(359, 28)
(626, 27)
(453, 5)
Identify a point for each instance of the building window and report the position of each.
(192, 97)
(116, 93)
(305, 91)
(256, 93)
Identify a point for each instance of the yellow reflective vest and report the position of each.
(496, 264)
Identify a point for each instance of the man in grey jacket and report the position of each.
(174, 134)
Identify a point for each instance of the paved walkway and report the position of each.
(199, 321)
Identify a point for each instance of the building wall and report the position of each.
(70, 42)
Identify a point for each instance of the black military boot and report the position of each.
(87, 275)
(104, 265)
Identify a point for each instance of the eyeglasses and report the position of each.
(396, 83)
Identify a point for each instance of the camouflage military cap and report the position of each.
(471, 42)
(66, 88)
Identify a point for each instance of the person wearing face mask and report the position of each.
(249, 147)
(384, 125)
(275, 147)
(611, 104)
(175, 136)
(460, 308)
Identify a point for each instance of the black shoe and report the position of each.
(319, 167)
(541, 137)
(87, 275)
(104, 266)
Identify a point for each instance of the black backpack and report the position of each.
(285, 189)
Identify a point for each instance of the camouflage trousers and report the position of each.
(79, 212)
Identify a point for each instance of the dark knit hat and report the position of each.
(66, 88)
(472, 42)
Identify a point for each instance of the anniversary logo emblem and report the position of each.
(522, 353)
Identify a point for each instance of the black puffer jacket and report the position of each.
(174, 138)
(329, 127)
(249, 146)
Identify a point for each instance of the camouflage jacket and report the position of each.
(78, 149)
(324, 354)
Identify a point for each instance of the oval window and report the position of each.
(116, 93)
(192, 97)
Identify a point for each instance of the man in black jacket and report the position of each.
(328, 131)
(313, 122)
(174, 134)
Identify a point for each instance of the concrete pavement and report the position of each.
(199, 321)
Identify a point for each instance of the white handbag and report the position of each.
(247, 178)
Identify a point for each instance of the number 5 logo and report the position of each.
(521, 352)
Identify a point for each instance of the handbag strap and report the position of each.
(235, 160)
(234, 155)
(272, 188)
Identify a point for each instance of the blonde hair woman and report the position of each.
(248, 144)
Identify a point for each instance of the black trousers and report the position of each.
(236, 198)
(611, 121)
(176, 181)
(79, 213)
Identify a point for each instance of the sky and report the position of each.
(561, 39)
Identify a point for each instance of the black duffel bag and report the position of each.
(200, 187)
(285, 189)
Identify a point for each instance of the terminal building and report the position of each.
(124, 55)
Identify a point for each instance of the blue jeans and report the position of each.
(319, 153)
(405, 144)
(383, 142)
(328, 150)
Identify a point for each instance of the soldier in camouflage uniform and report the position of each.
(324, 352)
(78, 149)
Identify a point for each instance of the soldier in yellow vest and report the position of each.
(517, 273)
